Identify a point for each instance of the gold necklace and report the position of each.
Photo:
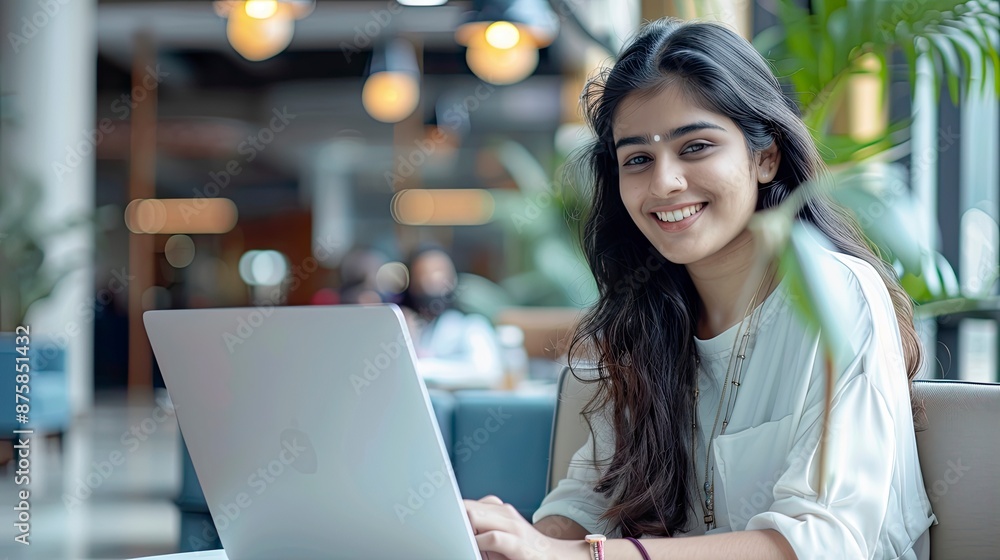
(708, 503)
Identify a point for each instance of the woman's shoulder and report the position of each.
(865, 288)
(846, 284)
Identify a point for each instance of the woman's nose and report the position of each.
(667, 181)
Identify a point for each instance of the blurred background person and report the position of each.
(358, 270)
(455, 349)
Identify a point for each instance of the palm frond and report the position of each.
(815, 51)
(957, 35)
(838, 149)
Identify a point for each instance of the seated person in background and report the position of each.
(358, 269)
(454, 349)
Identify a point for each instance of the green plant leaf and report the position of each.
(24, 276)
(813, 290)
(915, 287)
(949, 280)
(769, 39)
(992, 57)
(476, 294)
(932, 279)
(887, 219)
(949, 59)
(936, 281)
(843, 148)
(819, 49)
(985, 307)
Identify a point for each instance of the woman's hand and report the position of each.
(502, 534)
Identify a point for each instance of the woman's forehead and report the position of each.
(657, 110)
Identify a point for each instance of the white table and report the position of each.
(201, 555)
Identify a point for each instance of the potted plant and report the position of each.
(821, 52)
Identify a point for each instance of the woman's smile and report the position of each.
(678, 220)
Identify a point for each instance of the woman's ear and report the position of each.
(767, 163)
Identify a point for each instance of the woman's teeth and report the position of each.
(678, 215)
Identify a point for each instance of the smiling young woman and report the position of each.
(708, 412)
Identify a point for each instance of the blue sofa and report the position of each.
(498, 443)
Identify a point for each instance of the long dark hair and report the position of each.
(641, 331)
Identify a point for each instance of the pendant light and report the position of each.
(392, 91)
(533, 20)
(260, 29)
(503, 38)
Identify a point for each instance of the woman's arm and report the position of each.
(559, 527)
(756, 545)
(500, 529)
(748, 544)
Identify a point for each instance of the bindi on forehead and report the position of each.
(644, 139)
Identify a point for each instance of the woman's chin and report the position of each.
(681, 257)
(682, 260)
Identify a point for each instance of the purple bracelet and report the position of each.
(642, 549)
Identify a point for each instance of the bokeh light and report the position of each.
(179, 251)
(261, 9)
(502, 35)
(263, 268)
(390, 96)
(392, 278)
(259, 39)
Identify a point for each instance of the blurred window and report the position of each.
(979, 251)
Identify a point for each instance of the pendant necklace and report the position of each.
(737, 357)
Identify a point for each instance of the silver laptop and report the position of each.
(311, 432)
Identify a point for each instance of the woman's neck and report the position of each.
(721, 281)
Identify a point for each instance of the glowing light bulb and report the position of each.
(502, 66)
(259, 39)
(390, 96)
(502, 35)
(261, 9)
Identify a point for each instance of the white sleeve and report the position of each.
(846, 519)
(574, 497)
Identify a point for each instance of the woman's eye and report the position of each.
(637, 160)
(696, 147)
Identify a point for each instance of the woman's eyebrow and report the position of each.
(679, 131)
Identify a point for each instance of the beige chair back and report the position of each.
(569, 429)
(960, 460)
(959, 457)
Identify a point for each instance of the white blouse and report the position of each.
(873, 503)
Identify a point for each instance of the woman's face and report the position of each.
(685, 175)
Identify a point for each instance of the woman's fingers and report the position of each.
(498, 543)
(516, 547)
(501, 530)
(488, 516)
